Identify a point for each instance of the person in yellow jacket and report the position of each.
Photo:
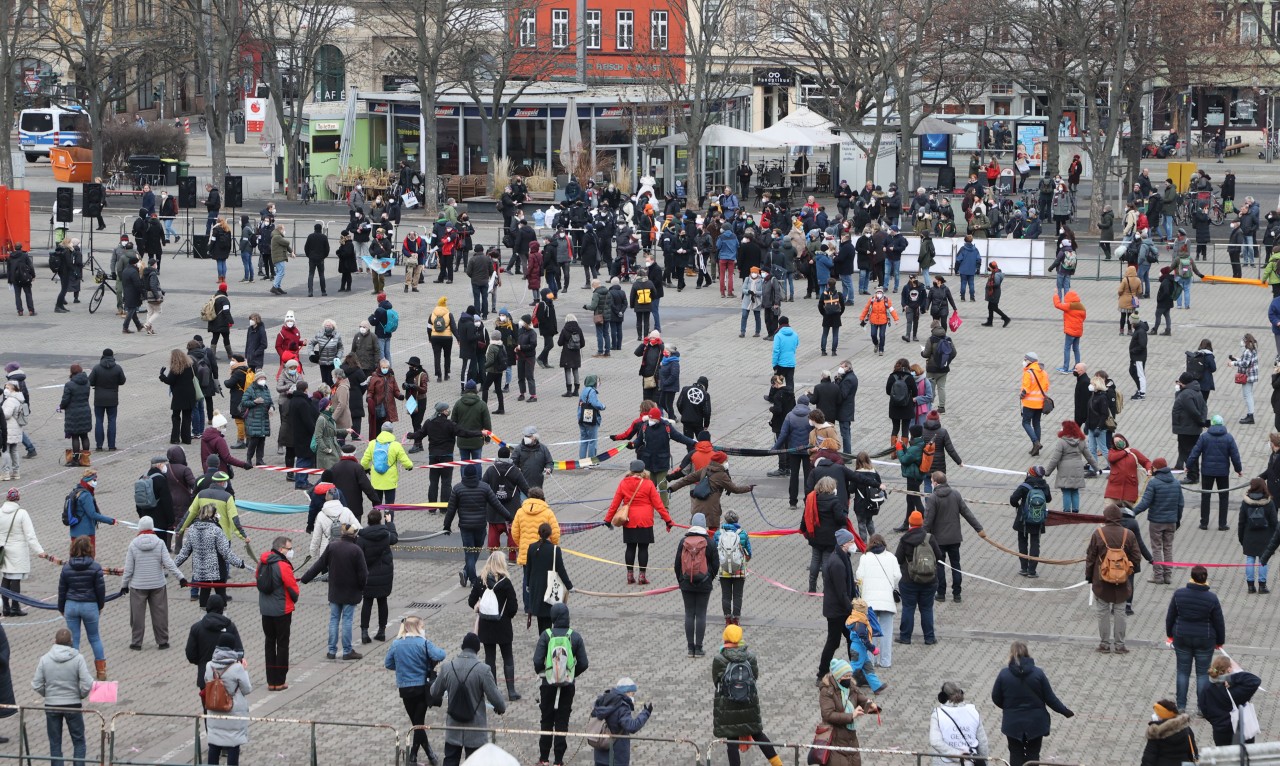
(878, 311)
(382, 459)
(440, 330)
(529, 516)
(1034, 395)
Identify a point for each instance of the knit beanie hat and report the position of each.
(732, 635)
(916, 519)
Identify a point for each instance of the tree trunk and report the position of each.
(904, 138)
(1051, 165)
(215, 131)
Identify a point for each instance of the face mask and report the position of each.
(328, 331)
(288, 324)
(386, 370)
(845, 682)
(289, 554)
(164, 468)
(364, 330)
(253, 323)
(528, 441)
(93, 483)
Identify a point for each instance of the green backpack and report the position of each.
(560, 663)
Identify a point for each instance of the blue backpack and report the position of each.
(393, 321)
(381, 456)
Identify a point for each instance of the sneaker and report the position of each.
(1062, 370)
(1139, 395)
(1103, 649)
(331, 655)
(930, 641)
(353, 655)
(777, 472)
(1120, 649)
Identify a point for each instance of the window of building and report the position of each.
(146, 96)
(560, 28)
(658, 30)
(1248, 28)
(119, 13)
(1002, 88)
(593, 30)
(144, 11)
(626, 30)
(331, 74)
(528, 29)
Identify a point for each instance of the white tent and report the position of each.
(723, 135)
(804, 117)
(796, 135)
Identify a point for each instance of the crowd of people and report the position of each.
(338, 404)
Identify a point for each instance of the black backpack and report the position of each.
(506, 488)
(737, 684)
(900, 393)
(1196, 365)
(23, 272)
(462, 706)
(265, 579)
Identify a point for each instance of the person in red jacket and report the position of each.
(276, 603)
(1122, 483)
(288, 339)
(1073, 315)
(533, 270)
(638, 492)
(214, 442)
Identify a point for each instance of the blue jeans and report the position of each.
(209, 222)
(384, 347)
(587, 446)
(966, 280)
(789, 285)
(602, 339)
(75, 727)
(742, 329)
(1070, 343)
(86, 613)
(835, 338)
(246, 261)
(469, 454)
(169, 231)
(280, 269)
(26, 442)
(1248, 252)
(864, 277)
(1144, 274)
(1064, 283)
(344, 614)
(1185, 298)
(846, 285)
(877, 336)
(1167, 225)
(473, 539)
(893, 269)
(1186, 650)
(654, 316)
(1098, 441)
(1250, 564)
(1070, 499)
(302, 480)
(221, 263)
(846, 434)
(99, 412)
(1031, 423)
(197, 420)
(615, 334)
(916, 595)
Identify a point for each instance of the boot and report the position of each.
(1035, 449)
(101, 667)
(1251, 588)
(631, 578)
(1247, 420)
(576, 389)
(1262, 588)
(728, 620)
(84, 459)
(568, 391)
(381, 635)
(736, 620)
(643, 580)
(364, 636)
(71, 458)
(512, 694)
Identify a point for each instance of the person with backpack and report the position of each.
(1184, 268)
(225, 695)
(414, 659)
(348, 573)
(919, 559)
(571, 340)
(878, 311)
(494, 600)
(473, 502)
(146, 563)
(1194, 627)
(383, 458)
(614, 709)
(1216, 453)
(697, 561)
(80, 509)
(1023, 692)
(1255, 529)
(21, 274)
(1064, 262)
(63, 680)
(497, 362)
(710, 484)
(278, 594)
(509, 485)
(560, 659)
(1030, 501)
(589, 416)
(733, 551)
(735, 712)
(203, 636)
(376, 540)
(938, 353)
(1111, 558)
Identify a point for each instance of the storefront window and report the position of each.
(478, 151)
(612, 130)
(405, 136)
(449, 154)
(527, 142)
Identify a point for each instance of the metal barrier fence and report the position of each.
(496, 735)
(27, 755)
(799, 753)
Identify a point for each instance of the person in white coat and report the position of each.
(878, 574)
(955, 728)
(12, 407)
(19, 542)
(332, 512)
(226, 735)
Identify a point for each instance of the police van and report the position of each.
(37, 129)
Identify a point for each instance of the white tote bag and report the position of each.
(555, 591)
(1244, 720)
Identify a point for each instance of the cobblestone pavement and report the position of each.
(641, 637)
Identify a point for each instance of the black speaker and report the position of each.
(187, 192)
(66, 204)
(200, 245)
(235, 192)
(946, 178)
(94, 200)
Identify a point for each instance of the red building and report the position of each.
(623, 41)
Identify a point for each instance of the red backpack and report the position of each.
(693, 558)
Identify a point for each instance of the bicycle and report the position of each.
(102, 278)
(116, 179)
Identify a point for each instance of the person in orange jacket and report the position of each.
(1073, 314)
(1033, 393)
(878, 311)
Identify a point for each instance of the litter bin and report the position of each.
(170, 172)
(184, 169)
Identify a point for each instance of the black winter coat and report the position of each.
(302, 420)
(838, 588)
(471, 501)
(344, 561)
(255, 346)
(132, 287)
(106, 378)
(1170, 743)
(77, 416)
(496, 631)
(1195, 613)
(376, 541)
(1023, 692)
(833, 514)
(541, 557)
(203, 639)
(182, 389)
(353, 482)
(826, 397)
(848, 398)
(81, 580)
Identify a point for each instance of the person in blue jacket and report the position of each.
(1023, 692)
(823, 263)
(589, 399)
(85, 508)
(414, 658)
(968, 263)
(794, 435)
(615, 707)
(732, 574)
(1218, 454)
(785, 343)
(1032, 229)
(727, 254)
(1273, 318)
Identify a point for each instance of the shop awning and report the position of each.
(723, 135)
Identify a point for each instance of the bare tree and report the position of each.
(291, 34)
(97, 41)
(17, 28)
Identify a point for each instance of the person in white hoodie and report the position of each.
(146, 564)
(226, 735)
(12, 409)
(877, 575)
(19, 543)
(955, 728)
(331, 513)
(63, 679)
